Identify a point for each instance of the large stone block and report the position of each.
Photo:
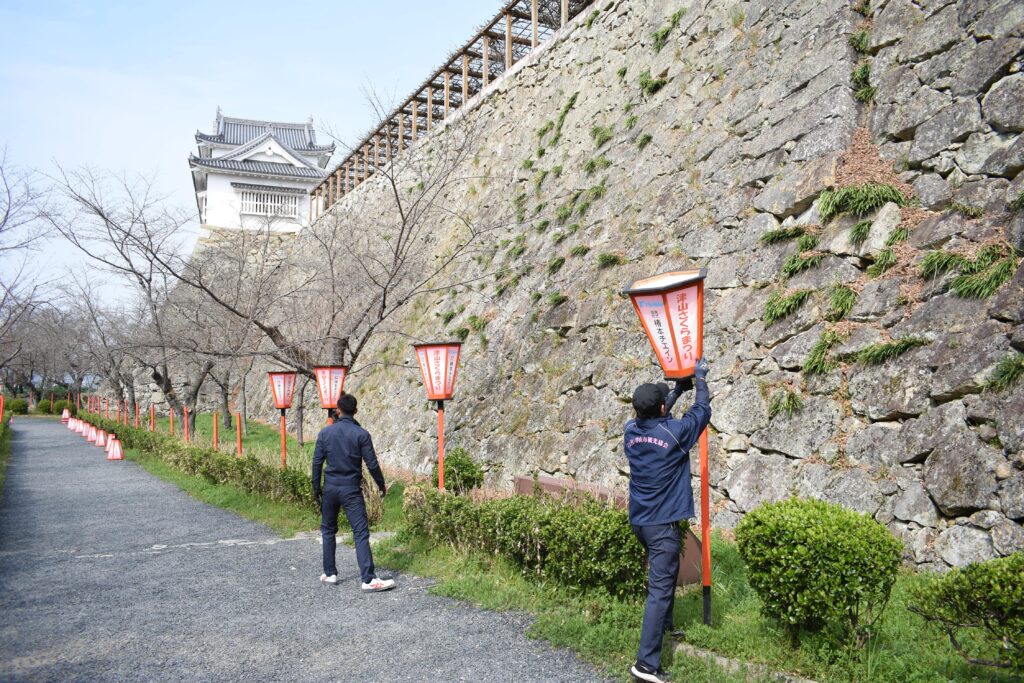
(952, 124)
(914, 505)
(1003, 105)
(741, 409)
(960, 546)
(802, 434)
(988, 62)
(760, 479)
(960, 474)
(894, 389)
(922, 435)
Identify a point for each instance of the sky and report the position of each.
(123, 86)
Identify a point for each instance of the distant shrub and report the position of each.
(16, 406)
(981, 608)
(608, 260)
(461, 473)
(818, 566)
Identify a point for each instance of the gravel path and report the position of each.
(110, 574)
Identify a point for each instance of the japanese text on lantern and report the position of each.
(682, 305)
(652, 313)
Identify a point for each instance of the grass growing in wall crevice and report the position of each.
(779, 305)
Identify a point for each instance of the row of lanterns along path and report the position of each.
(122, 415)
(97, 437)
(671, 309)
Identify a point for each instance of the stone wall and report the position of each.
(730, 131)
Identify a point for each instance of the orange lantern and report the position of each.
(330, 381)
(439, 364)
(671, 309)
(282, 386)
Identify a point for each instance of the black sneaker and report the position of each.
(676, 634)
(642, 672)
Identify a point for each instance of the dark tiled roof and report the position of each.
(259, 168)
(300, 137)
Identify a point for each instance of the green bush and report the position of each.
(578, 542)
(981, 607)
(16, 406)
(460, 472)
(819, 567)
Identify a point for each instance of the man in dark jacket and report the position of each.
(345, 446)
(658, 450)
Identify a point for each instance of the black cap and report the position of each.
(648, 398)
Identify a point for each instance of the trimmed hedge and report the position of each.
(247, 473)
(580, 542)
(16, 406)
(461, 474)
(981, 608)
(818, 566)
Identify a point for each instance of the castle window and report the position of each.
(259, 203)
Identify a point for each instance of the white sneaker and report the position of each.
(332, 579)
(377, 585)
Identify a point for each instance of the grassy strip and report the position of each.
(284, 518)
(604, 631)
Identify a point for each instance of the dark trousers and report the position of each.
(351, 501)
(662, 543)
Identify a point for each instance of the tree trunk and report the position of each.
(225, 403)
(300, 411)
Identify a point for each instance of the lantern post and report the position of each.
(439, 364)
(330, 382)
(282, 386)
(671, 309)
(216, 419)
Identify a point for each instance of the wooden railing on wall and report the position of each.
(511, 35)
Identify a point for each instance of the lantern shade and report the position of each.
(439, 363)
(330, 380)
(671, 308)
(282, 386)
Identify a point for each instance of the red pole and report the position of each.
(1, 409)
(136, 415)
(284, 441)
(185, 422)
(51, 402)
(78, 402)
(152, 417)
(170, 414)
(440, 445)
(238, 429)
(216, 418)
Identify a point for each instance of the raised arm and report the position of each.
(696, 419)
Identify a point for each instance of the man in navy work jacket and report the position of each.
(658, 450)
(345, 446)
